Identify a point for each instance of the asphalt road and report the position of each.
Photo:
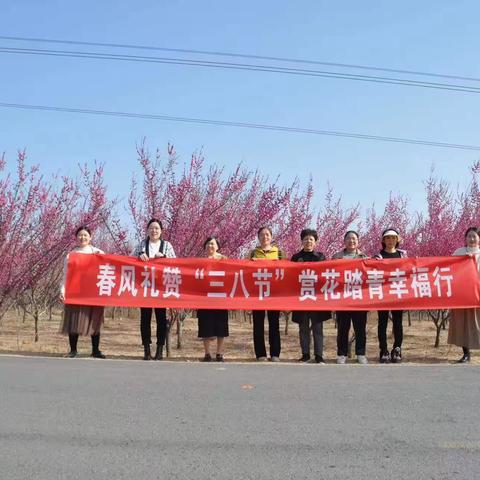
(92, 419)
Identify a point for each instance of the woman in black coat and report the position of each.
(310, 320)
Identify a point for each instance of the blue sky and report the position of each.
(437, 36)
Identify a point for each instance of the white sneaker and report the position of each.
(362, 359)
(275, 359)
(341, 359)
(261, 359)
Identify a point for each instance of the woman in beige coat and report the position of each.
(464, 328)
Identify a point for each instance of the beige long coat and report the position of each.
(464, 327)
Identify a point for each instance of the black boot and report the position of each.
(96, 353)
(73, 340)
(466, 356)
(159, 353)
(146, 355)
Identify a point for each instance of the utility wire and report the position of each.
(237, 55)
(259, 126)
(241, 66)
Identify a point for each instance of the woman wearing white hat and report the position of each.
(390, 241)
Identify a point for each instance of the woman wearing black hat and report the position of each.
(390, 242)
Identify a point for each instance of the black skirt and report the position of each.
(212, 323)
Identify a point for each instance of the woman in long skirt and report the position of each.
(212, 324)
(82, 319)
(464, 326)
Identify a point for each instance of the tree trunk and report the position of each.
(409, 318)
(287, 318)
(179, 332)
(440, 318)
(36, 326)
(437, 338)
(18, 332)
(167, 340)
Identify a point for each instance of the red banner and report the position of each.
(403, 284)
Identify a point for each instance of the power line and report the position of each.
(259, 126)
(242, 66)
(239, 55)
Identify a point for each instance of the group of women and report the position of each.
(464, 327)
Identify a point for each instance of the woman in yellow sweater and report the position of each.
(266, 251)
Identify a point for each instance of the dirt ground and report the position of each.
(121, 339)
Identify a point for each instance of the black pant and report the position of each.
(146, 325)
(273, 332)
(73, 340)
(344, 320)
(397, 329)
